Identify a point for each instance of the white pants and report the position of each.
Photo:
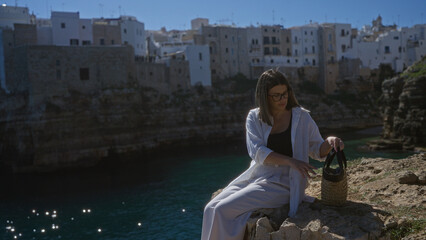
(226, 215)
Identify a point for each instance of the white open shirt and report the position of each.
(305, 139)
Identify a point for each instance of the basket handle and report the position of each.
(341, 158)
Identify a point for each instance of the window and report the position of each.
(306, 33)
(58, 63)
(265, 40)
(226, 36)
(213, 71)
(295, 39)
(274, 40)
(85, 43)
(200, 56)
(288, 60)
(266, 51)
(125, 30)
(329, 37)
(312, 33)
(232, 51)
(84, 73)
(313, 49)
(83, 27)
(233, 39)
(211, 50)
(276, 51)
(62, 25)
(101, 41)
(313, 62)
(252, 41)
(226, 50)
(306, 50)
(396, 37)
(399, 49)
(332, 59)
(74, 42)
(343, 48)
(58, 74)
(297, 60)
(387, 49)
(330, 47)
(112, 42)
(295, 52)
(287, 40)
(266, 30)
(288, 52)
(342, 33)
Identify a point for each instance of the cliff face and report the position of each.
(403, 105)
(80, 128)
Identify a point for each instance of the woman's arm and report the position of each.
(305, 169)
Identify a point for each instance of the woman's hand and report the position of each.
(303, 168)
(335, 142)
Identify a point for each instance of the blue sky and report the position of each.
(177, 14)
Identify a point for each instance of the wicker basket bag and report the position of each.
(334, 184)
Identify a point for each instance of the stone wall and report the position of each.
(25, 34)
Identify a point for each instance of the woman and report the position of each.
(280, 138)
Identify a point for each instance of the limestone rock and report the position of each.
(377, 202)
(422, 178)
(403, 105)
(407, 177)
(263, 229)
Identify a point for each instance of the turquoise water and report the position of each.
(155, 198)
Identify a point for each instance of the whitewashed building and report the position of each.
(197, 23)
(133, 33)
(304, 45)
(198, 57)
(254, 45)
(10, 15)
(398, 48)
(44, 31)
(69, 30)
(343, 40)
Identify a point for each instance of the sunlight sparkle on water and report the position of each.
(99, 230)
(139, 224)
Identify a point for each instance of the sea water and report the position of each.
(160, 197)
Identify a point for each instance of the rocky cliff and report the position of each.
(80, 128)
(386, 200)
(403, 105)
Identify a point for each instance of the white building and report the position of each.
(198, 57)
(69, 30)
(44, 31)
(133, 33)
(398, 48)
(197, 23)
(254, 45)
(10, 15)
(343, 40)
(305, 46)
